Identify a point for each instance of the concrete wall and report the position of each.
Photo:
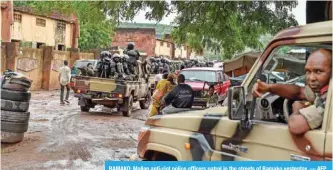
(29, 62)
(40, 65)
(144, 39)
(28, 31)
(86, 56)
(163, 48)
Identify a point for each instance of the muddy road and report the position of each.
(63, 137)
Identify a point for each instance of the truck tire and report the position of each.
(144, 104)
(15, 106)
(14, 87)
(16, 117)
(15, 95)
(85, 108)
(128, 106)
(8, 137)
(14, 127)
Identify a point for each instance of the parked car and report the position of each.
(200, 78)
(78, 64)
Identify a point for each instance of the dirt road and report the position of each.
(63, 137)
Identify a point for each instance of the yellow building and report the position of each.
(34, 31)
(180, 52)
(163, 47)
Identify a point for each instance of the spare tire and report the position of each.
(15, 95)
(14, 127)
(15, 106)
(18, 117)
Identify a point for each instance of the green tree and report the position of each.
(226, 27)
(96, 28)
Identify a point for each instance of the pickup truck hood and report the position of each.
(190, 120)
(197, 85)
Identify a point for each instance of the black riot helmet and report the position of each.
(116, 58)
(104, 54)
(130, 46)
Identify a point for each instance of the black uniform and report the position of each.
(180, 97)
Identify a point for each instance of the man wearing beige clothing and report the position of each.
(64, 79)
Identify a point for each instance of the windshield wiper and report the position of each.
(195, 80)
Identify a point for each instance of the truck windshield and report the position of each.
(199, 75)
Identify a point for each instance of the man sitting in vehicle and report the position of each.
(212, 97)
(306, 115)
(180, 98)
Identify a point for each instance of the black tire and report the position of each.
(14, 127)
(15, 106)
(85, 108)
(16, 117)
(15, 95)
(21, 81)
(8, 137)
(144, 104)
(14, 87)
(128, 106)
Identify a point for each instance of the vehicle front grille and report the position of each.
(197, 93)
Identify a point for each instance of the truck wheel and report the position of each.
(84, 108)
(128, 106)
(144, 104)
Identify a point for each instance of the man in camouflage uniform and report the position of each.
(306, 115)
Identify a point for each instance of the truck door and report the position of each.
(219, 85)
(328, 141)
(226, 83)
(269, 138)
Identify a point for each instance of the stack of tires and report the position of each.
(15, 97)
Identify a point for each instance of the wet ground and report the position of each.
(63, 137)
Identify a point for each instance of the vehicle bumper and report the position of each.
(135, 157)
(78, 95)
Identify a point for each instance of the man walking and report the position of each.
(64, 79)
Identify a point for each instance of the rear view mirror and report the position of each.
(236, 102)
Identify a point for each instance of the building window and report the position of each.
(61, 26)
(18, 18)
(61, 47)
(40, 22)
(168, 44)
(40, 45)
(161, 43)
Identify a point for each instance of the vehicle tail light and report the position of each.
(116, 95)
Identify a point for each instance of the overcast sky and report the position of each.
(299, 13)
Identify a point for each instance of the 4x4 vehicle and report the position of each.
(199, 78)
(249, 128)
(113, 93)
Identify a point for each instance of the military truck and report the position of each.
(249, 128)
(113, 93)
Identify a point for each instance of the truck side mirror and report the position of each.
(236, 103)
